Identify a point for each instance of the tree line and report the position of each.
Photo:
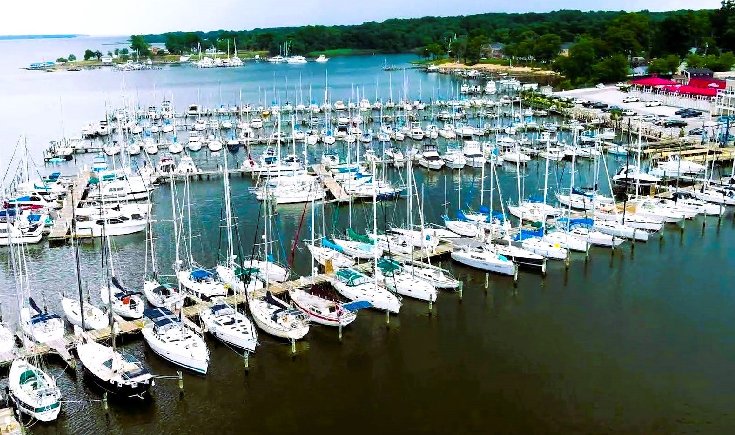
(603, 43)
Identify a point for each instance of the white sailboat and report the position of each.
(175, 342)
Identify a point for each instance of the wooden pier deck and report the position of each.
(190, 312)
(61, 230)
(336, 189)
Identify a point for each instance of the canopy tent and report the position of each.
(652, 81)
(691, 90)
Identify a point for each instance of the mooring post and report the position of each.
(293, 346)
(104, 402)
(461, 285)
(246, 360)
(339, 329)
(180, 374)
(387, 317)
(515, 276)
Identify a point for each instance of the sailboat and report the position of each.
(277, 318)
(229, 325)
(157, 293)
(393, 277)
(221, 319)
(114, 371)
(200, 282)
(175, 342)
(33, 391)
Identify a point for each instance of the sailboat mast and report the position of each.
(546, 184)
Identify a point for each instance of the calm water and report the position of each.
(638, 340)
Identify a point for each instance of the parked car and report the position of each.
(696, 131)
(628, 112)
(671, 123)
(599, 105)
(631, 100)
(653, 103)
(600, 86)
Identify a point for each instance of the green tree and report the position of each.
(547, 47)
(61, 60)
(88, 54)
(124, 52)
(72, 58)
(664, 65)
(138, 44)
(474, 49)
(611, 69)
(98, 54)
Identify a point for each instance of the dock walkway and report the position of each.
(61, 230)
(130, 327)
(336, 189)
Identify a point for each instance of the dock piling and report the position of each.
(293, 347)
(180, 374)
(461, 285)
(339, 331)
(246, 360)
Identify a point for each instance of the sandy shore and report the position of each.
(489, 67)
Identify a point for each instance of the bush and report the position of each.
(61, 60)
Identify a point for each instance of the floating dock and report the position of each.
(64, 347)
(61, 231)
(334, 188)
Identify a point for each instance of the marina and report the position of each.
(484, 236)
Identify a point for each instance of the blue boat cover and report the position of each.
(581, 192)
(160, 316)
(527, 234)
(535, 198)
(326, 243)
(461, 216)
(34, 217)
(200, 274)
(39, 318)
(582, 222)
(484, 209)
(357, 305)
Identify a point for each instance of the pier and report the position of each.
(61, 231)
(63, 347)
(334, 188)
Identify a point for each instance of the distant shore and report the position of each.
(495, 68)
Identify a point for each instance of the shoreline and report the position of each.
(494, 68)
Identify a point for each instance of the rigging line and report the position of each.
(298, 232)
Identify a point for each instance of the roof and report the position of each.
(700, 71)
(497, 46)
(691, 90)
(652, 81)
(566, 45)
(706, 82)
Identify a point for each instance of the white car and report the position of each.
(600, 86)
(628, 112)
(631, 100)
(653, 103)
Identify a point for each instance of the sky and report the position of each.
(103, 17)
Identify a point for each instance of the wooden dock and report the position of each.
(334, 188)
(61, 231)
(191, 312)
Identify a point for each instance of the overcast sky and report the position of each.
(103, 17)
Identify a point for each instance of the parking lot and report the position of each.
(661, 118)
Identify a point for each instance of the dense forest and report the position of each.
(601, 46)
